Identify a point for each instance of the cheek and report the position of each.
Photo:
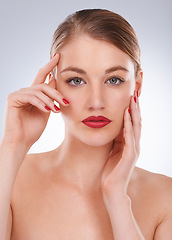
(119, 101)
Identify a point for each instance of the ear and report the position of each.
(139, 81)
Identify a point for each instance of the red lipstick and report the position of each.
(96, 122)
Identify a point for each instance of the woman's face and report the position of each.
(96, 78)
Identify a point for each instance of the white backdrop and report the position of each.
(26, 30)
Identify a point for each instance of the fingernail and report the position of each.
(54, 54)
(49, 76)
(129, 110)
(47, 108)
(65, 101)
(56, 108)
(135, 99)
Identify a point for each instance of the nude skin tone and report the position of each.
(96, 78)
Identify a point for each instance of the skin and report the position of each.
(95, 96)
(69, 191)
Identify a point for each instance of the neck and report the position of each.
(82, 164)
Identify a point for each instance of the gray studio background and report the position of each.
(26, 30)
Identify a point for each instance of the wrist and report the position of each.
(117, 204)
(12, 154)
(116, 198)
(12, 146)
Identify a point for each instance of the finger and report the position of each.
(127, 162)
(135, 116)
(30, 99)
(118, 143)
(52, 93)
(129, 147)
(129, 133)
(138, 106)
(48, 102)
(44, 71)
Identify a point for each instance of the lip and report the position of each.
(96, 121)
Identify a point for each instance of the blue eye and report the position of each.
(74, 81)
(114, 80)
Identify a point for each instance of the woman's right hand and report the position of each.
(26, 114)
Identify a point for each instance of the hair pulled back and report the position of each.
(100, 24)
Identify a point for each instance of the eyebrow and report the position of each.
(81, 71)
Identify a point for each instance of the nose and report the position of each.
(96, 98)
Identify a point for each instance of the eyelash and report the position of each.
(74, 78)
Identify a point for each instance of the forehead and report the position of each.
(84, 51)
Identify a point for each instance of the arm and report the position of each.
(123, 223)
(26, 116)
(9, 157)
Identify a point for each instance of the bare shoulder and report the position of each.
(156, 188)
(161, 183)
(36, 161)
(152, 197)
(32, 170)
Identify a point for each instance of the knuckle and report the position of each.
(31, 98)
(35, 101)
(48, 101)
(39, 102)
(140, 124)
(36, 87)
(39, 86)
(22, 89)
(40, 71)
(44, 85)
(10, 96)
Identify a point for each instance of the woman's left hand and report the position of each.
(120, 164)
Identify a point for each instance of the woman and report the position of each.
(89, 187)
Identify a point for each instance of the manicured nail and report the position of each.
(135, 99)
(49, 76)
(56, 108)
(137, 93)
(47, 108)
(54, 54)
(65, 101)
(129, 110)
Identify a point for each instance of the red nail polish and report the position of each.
(56, 108)
(49, 76)
(54, 54)
(135, 99)
(65, 101)
(47, 108)
(129, 110)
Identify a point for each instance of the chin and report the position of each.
(97, 139)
